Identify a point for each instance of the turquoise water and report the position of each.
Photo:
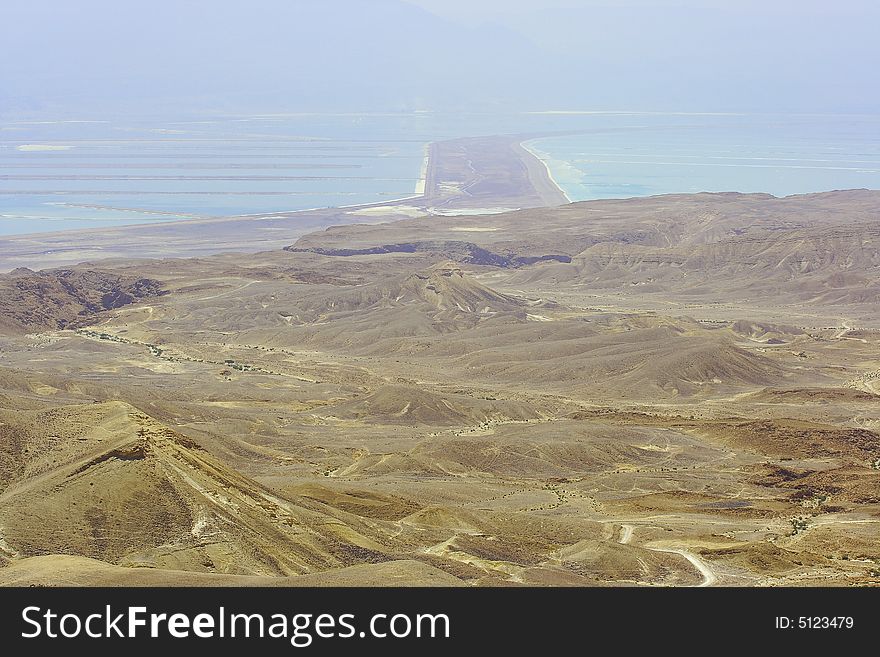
(64, 175)
(780, 156)
(82, 174)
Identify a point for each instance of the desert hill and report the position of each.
(396, 404)
(817, 247)
(64, 570)
(59, 298)
(442, 287)
(130, 491)
(677, 390)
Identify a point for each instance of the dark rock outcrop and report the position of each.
(458, 251)
(61, 298)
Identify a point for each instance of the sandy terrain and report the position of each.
(672, 391)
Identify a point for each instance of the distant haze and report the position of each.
(180, 56)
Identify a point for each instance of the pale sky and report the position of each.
(301, 55)
(800, 54)
(495, 10)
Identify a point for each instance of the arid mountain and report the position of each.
(66, 297)
(738, 245)
(678, 390)
(107, 482)
(397, 404)
(443, 290)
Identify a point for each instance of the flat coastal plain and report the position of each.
(481, 386)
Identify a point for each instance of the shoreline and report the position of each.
(525, 146)
(539, 178)
(422, 183)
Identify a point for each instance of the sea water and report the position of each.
(85, 174)
(779, 155)
(65, 174)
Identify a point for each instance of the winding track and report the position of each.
(709, 576)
